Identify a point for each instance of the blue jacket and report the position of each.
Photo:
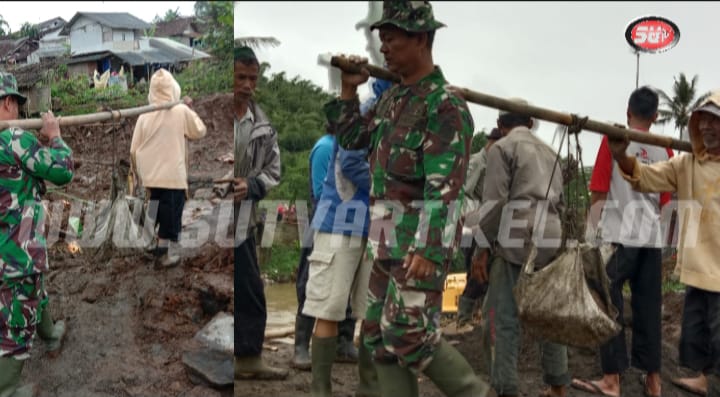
(320, 157)
(345, 194)
(349, 196)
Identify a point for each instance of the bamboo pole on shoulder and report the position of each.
(64, 121)
(480, 98)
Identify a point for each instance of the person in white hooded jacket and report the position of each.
(159, 156)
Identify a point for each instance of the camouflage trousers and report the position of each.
(402, 322)
(21, 300)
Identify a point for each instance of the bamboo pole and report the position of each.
(64, 121)
(479, 98)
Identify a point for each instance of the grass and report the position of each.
(279, 262)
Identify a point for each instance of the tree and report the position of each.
(257, 42)
(295, 108)
(28, 30)
(171, 15)
(217, 16)
(680, 106)
(3, 30)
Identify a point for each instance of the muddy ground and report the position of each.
(582, 363)
(128, 322)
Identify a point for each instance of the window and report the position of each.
(107, 35)
(123, 37)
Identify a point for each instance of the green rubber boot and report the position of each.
(51, 334)
(10, 370)
(452, 374)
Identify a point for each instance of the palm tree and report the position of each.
(680, 106)
(256, 42)
(3, 22)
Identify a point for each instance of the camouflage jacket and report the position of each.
(418, 138)
(24, 166)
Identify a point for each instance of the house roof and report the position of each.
(109, 19)
(89, 57)
(28, 75)
(161, 50)
(48, 25)
(186, 26)
(21, 48)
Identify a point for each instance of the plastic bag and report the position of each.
(568, 301)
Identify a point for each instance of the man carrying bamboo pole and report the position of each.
(418, 137)
(637, 258)
(257, 170)
(159, 153)
(25, 164)
(696, 179)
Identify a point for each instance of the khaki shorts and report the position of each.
(338, 272)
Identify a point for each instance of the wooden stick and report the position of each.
(36, 124)
(480, 98)
(279, 333)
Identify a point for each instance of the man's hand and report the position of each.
(350, 81)
(618, 147)
(51, 126)
(455, 90)
(240, 189)
(418, 267)
(478, 269)
(187, 100)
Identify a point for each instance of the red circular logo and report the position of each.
(652, 34)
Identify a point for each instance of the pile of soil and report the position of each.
(129, 322)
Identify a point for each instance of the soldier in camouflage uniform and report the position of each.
(418, 137)
(25, 164)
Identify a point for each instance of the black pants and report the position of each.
(170, 204)
(642, 267)
(250, 309)
(700, 335)
(473, 289)
(346, 328)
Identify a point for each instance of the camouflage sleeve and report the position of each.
(350, 127)
(446, 153)
(53, 163)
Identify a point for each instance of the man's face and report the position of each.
(399, 49)
(709, 126)
(12, 107)
(245, 82)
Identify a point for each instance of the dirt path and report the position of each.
(129, 323)
(584, 364)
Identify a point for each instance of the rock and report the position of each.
(209, 367)
(218, 333)
(203, 194)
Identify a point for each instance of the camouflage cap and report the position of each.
(8, 86)
(411, 16)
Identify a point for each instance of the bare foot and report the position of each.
(609, 386)
(697, 385)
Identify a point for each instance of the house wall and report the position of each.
(86, 36)
(83, 69)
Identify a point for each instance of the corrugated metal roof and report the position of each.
(161, 51)
(89, 57)
(110, 19)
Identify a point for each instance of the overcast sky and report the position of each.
(569, 57)
(16, 12)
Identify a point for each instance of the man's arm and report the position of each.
(53, 162)
(351, 129)
(657, 177)
(269, 177)
(600, 182)
(496, 190)
(355, 167)
(195, 127)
